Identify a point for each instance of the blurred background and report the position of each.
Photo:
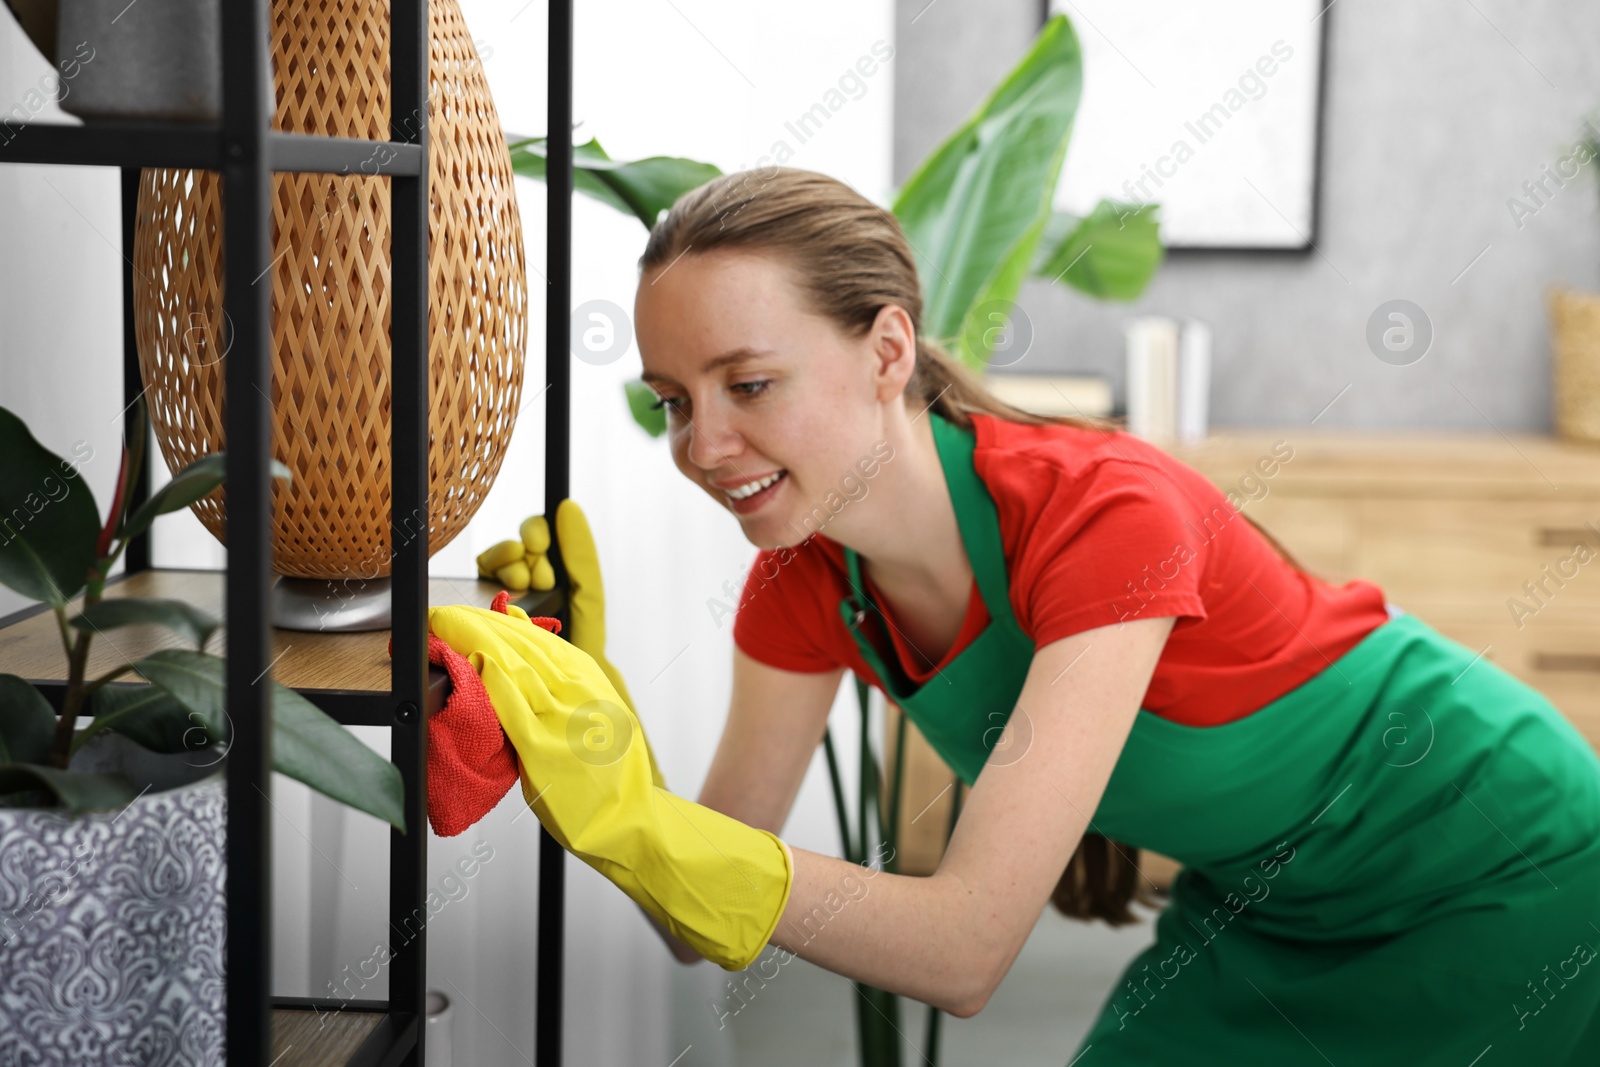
(1400, 162)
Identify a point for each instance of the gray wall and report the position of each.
(1436, 112)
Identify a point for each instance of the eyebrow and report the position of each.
(742, 354)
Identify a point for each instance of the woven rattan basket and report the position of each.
(330, 296)
(1575, 371)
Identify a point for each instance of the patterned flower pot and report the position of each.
(112, 928)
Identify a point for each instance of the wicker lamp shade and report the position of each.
(331, 296)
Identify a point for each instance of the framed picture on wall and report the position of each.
(1214, 111)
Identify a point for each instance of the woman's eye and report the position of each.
(745, 389)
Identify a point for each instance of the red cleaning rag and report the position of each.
(471, 762)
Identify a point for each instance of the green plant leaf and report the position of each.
(27, 722)
(974, 210)
(307, 745)
(77, 791)
(176, 615)
(196, 681)
(983, 323)
(149, 717)
(641, 399)
(192, 483)
(642, 188)
(1110, 253)
(48, 518)
(530, 158)
(310, 747)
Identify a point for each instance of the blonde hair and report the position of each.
(850, 259)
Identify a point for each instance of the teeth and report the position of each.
(754, 487)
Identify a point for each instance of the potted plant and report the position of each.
(112, 918)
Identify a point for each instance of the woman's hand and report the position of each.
(680, 951)
(714, 882)
(588, 603)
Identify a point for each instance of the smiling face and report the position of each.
(768, 405)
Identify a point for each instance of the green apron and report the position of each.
(1397, 862)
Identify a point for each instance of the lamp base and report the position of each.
(330, 605)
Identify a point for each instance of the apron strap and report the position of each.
(979, 523)
(855, 610)
(976, 514)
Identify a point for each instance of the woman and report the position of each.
(1391, 847)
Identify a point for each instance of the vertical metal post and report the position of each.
(408, 532)
(137, 556)
(558, 367)
(247, 238)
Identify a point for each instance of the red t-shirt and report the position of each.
(1097, 528)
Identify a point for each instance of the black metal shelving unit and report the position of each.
(247, 153)
(557, 467)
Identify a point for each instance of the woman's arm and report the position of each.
(776, 720)
(949, 938)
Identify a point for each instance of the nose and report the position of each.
(713, 439)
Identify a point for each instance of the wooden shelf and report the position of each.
(302, 1038)
(346, 674)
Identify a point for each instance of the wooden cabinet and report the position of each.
(1493, 540)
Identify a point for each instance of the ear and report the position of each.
(893, 340)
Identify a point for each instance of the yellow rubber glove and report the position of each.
(715, 883)
(588, 605)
